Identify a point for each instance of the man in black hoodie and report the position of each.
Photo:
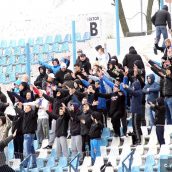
(160, 19)
(130, 58)
(41, 77)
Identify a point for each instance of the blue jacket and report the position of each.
(101, 101)
(154, 89)
(55, 69)
(136, 97)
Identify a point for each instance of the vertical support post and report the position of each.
(141, 6)
(117, 28)
(161, 3)
(28, 61)
(74, 42)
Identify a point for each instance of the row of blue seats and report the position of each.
(36, 49)
(48, 40)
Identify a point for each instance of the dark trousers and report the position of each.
(160, 134)
(6, 168)
(18, 146)
(124, 123)
(85, 141)
(136, 123)
(116, 123)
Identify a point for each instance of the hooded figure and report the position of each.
(151, 89)
(41, 77)
(131, 57)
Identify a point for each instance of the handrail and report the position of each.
(130, 157)
(77, 163)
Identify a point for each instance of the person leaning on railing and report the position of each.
(3, 166)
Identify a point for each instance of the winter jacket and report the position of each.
(167, 80)
(159, 115)
(136, 97)
(151, 89)
(162, 17)
(85, 128)
(130, 58)
(3, 99)
(29, 125)
(96, 130)
(42, 76)
(75, 126)
(61, 123)
(85, 65)
(60, 75)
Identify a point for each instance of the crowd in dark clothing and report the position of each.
(82, 99)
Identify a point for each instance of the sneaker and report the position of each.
(48, 147)
(155, 50)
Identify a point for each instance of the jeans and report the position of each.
(28, 149)
(161, 30)
(168, 106)
(95, 148)
(150, 114)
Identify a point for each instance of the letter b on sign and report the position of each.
(93, 28)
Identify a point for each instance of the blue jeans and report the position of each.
(151, 115)
(28, 149)
(95, 148)
(168, 106)
(161, 30)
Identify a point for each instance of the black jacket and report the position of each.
(96, 130)
(130, 58)
(85, 128)
(159, 115)
(60, 75)
(61, 123)
(166, 81)
(16, 123)
(75, 126)
(29, 124)
(86, 65)
(162, 17)
(41, 77)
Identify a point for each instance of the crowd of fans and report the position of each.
(63, 104)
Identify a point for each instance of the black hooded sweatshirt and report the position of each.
(41, 77)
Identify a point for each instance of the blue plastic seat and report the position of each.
(64, 47)
(9, 69)
(23, 68)
(12, 43)
(2, 61)
(7, 52)
(150, 162)
(45, 48)
(36, 49)
(31, 42)
(3, 44)
(105, 133)
(40, 57)
(39, 41)
(135, 169)
(10, 150)
(22, 59)
(49, 40)
(39, 163)
(18, 69)
(55, 48)
(58, 39)
(12, 77)
(61, 164)
(17, 51)
(12, 60)
(51, 163)
(67, 38)
(78, 37)
(21, 43)
(86, 36)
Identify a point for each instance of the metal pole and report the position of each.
(141, 6)
(73, 42)
(117, 28)
(161, 3)
(28, 61)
